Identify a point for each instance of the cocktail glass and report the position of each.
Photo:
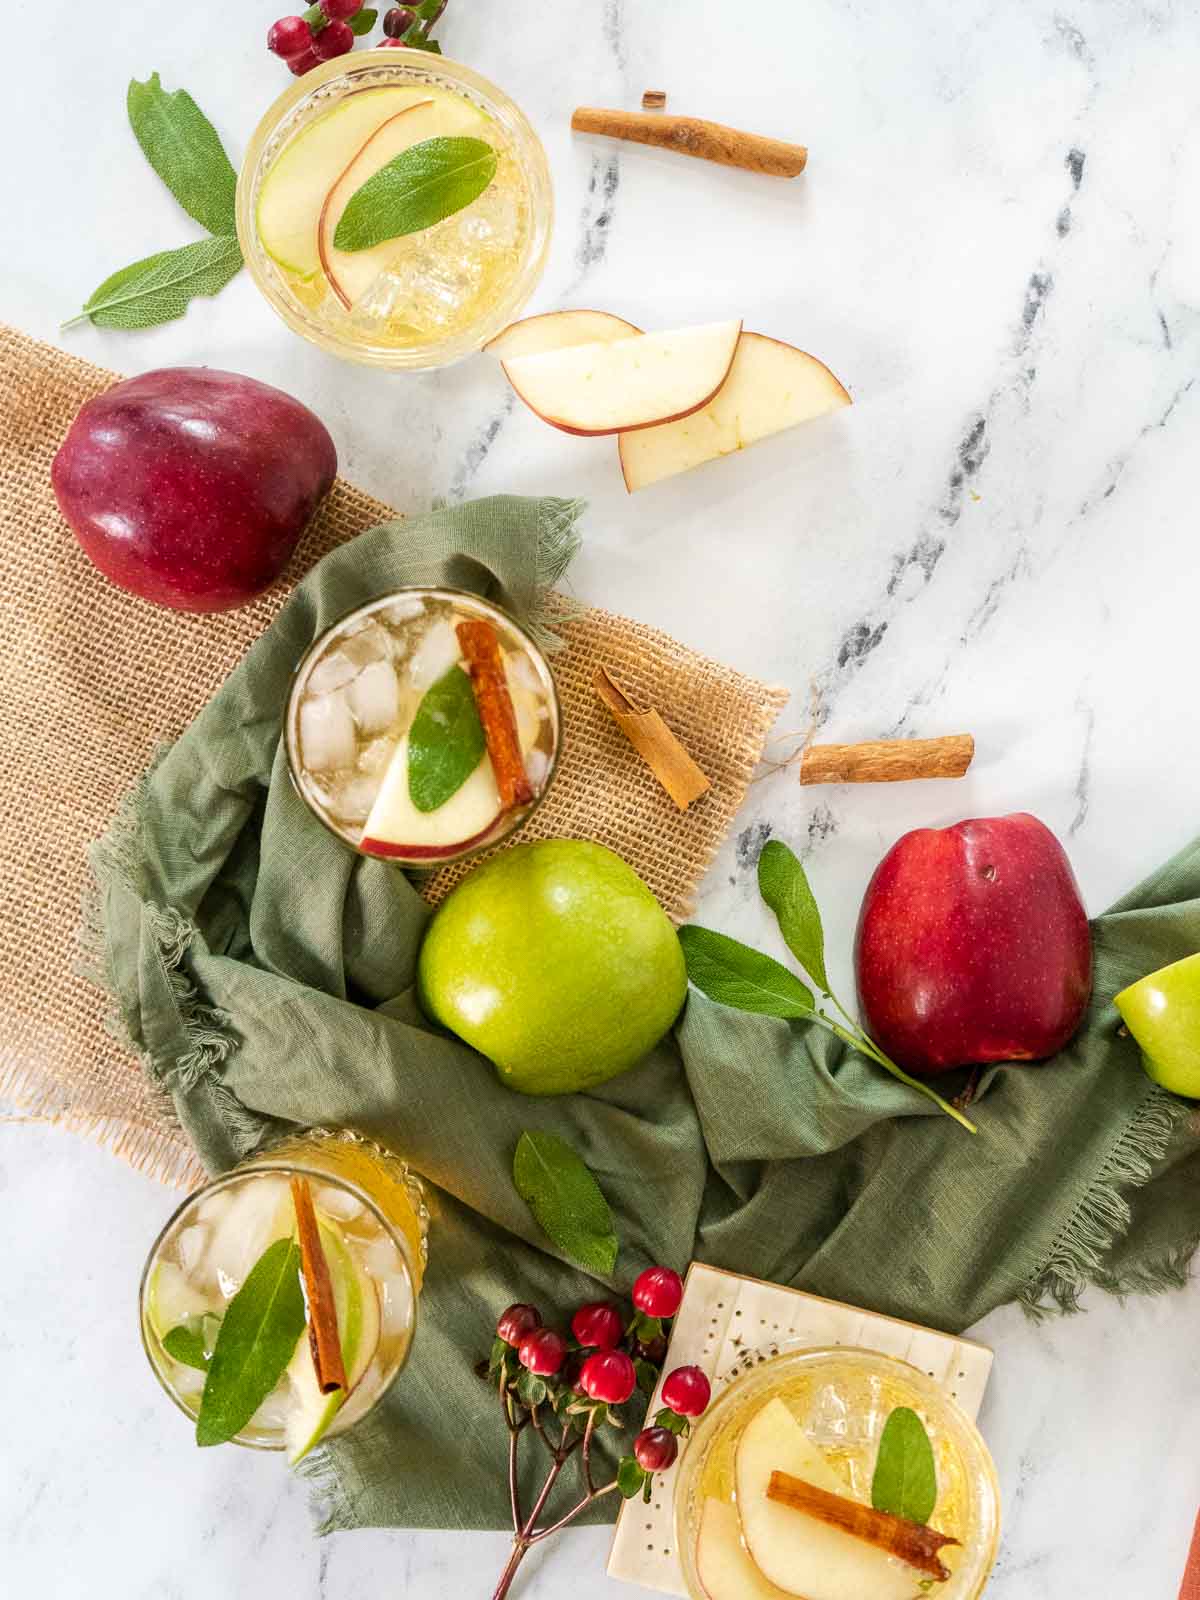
(373, 1222)
(415, 301)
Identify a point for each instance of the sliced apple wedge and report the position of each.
(793, 1551)
(558, 330)
(725, 1571)
(396, 828)
(311, 164)
(624, 384)
(771, 386)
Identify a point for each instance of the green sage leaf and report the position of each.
(445, 742)
(667, 1418)
(258, 1336)
(160, 287)
(362, 22)
(184, 148)
(647, 1375)
(905, 1479)
(185, 1343)
(735, 975)
(422, 185)
(783, 884)
(630, 1477)
(566, 1201)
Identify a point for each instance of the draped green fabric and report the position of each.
(265, 974)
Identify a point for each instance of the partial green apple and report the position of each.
(1162, 1012)
(556, 962)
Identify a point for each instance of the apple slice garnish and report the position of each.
(624, 384)
(771, 386)
(796, 1553)
(558, 330)
(310, 164)
(725, 1571)
(396, 828)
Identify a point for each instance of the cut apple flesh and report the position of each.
(293, 190)
(558, 330)
(771, 386)
(793, 1551)
(352, 272)
(725, 1570)
(623, 384)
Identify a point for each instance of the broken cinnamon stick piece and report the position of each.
(692, 136)
(654, 99)
(323, 1336)
(913, 1542)
(888, 760)
(480, 646)
(653, 741)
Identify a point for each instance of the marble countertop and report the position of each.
(997, 247)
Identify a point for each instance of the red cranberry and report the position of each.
(289, 36)
(655, 1449)
(340, 10)
(686, 1391)
(608, 1376)
(654, 1350)
(303, 62)
(517, 1321)
(658, 1291)
(334, 39)
(598, 1326)
(398, 21)
(543, 1351)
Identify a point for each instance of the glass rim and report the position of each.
(260, 1162)
(968, 1439)
(423, 863)
(530, 154)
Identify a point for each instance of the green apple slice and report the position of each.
(357, 1303)
(173, 1298)
(295, 188)
(1162, 1012)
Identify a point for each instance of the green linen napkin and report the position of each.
(265, 973)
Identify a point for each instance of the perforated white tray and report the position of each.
(727, 1324)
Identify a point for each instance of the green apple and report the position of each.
(557, 963)
(1162, 1012)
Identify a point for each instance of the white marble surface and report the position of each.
(997, 246)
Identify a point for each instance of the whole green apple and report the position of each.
(556, 962)
(1162, 1012)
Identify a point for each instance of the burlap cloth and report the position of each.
(95, 679)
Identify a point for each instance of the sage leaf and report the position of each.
(258, 1337)
(647, 1376)
(905, 1480)
(422, 185)
(362, 22)
(630, 1477)
(445, 742)
(735, 975)
(184, 148)
(185, 1343)
(566, 1201)
(159, 288)
(783, 884)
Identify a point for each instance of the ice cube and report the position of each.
(395, 1305)
(370, 644)
(339, 1203)
(259, 1212)
(353, 798)
(537, 765)
(331, 672)
(521, 673)
(406, 609)
(190, 1247)
(493, 222)
(380, 1259)
(375, 758)
(425, 290)
(375, 697)
(327, 738)
(272, 1415)
(436, 653)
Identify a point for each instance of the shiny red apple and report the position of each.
(191, 487)
(973, 946)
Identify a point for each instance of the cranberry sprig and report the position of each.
(329, 28)
(550, 1382)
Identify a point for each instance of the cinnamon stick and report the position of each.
(654, 99)
(888, 760)
(653, 741)
(913, 1542)
(480, 646)
(323, 1337)
(692, 136)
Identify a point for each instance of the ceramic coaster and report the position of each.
(728, 1324)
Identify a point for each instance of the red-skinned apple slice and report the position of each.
(352, 272)
(793, 1551)
(558, 330)
(396, 828)
(771, 386)
(723, 1566)
(647, 379)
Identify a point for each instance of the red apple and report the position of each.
(191, 487)
(973, 946)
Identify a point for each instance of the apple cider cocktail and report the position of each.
(423, 726)
(395, 208)
(836, 1474)
(227, 1283)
